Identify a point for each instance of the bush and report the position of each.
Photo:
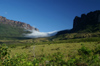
(26, 47)
(4, 54)
(84, 51)
(97, 50)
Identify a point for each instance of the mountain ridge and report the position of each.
(89, 22)
(12, 30)
(19, 24)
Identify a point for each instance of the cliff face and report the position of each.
(89, 22)
(91, 18)
(19, 24)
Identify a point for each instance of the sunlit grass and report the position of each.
(49, 49)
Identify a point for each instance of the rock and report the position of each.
(89, 22)
(91, 18)
(99, 18)
(19, 24)
(76, 21)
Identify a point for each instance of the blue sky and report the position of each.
(47, 15)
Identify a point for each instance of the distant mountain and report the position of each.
(18, 24)
(87, 23)
(10, 29)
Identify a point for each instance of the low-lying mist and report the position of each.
(37, 34)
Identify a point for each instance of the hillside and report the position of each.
(9, 32)
(10, 29)
(86, 26)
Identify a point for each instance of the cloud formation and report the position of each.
(37, 34)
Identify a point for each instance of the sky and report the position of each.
(47, 15)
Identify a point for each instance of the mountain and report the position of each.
(18, 24)
(87, 23)
(10, 29)
(90, 21)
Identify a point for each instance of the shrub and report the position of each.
(84, 51)
(97, 50)
(4, 54)
(26, 47)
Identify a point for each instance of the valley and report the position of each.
(62, 52)
(79, 46)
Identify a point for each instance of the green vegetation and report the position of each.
(10, 32)
(76, 36)
(37, 52)
(64, 50)
(62, 54)
(79, 46)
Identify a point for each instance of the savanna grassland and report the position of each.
(44, 52)
(79, 46)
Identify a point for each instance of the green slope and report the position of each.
(10, 32)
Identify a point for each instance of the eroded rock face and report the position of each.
(91, 18)
(3, 20)
(99, 18)
(89, 22)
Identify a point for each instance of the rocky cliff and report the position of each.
(91, 18)
(19, 24)
(89, 22)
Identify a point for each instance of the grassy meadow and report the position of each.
(43, 52)
(49, 49)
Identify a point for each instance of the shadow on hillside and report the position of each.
(20, 38)
(13, 38)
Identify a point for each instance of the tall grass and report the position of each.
(84, 57)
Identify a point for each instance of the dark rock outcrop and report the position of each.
(89, 22)
(19, 24)
(91, 18)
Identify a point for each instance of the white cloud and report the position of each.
(36, 34)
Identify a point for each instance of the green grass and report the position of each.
(37, 52)
(49, 49)
(66, 54)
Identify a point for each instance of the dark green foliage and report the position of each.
(84, 51)
(97, 50)
(3, 51)
(4, 54)
(27, 46)
(71, 62)
(14, 46)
